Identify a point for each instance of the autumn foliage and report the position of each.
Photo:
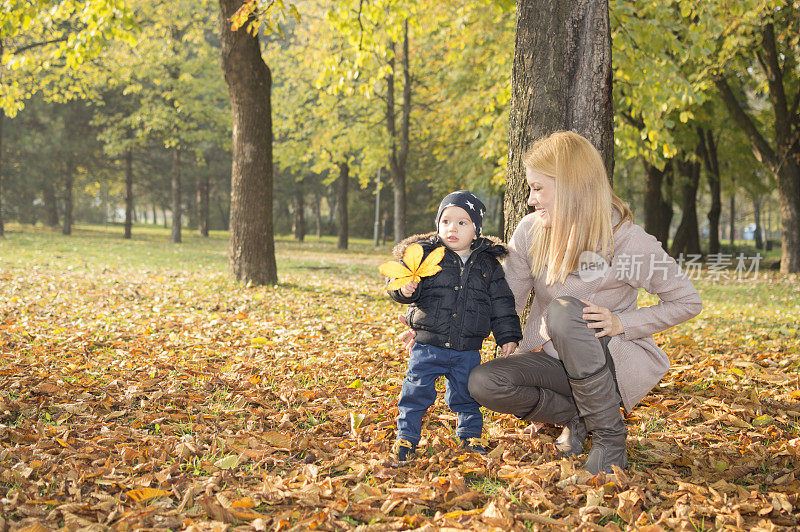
(165, 396)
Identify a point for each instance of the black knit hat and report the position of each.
(467, 201)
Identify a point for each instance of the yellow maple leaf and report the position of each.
(414, 268)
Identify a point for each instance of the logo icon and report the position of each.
(591, 266)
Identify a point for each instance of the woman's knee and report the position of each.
(483, 384)
(563, 315)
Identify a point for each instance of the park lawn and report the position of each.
(141, 388)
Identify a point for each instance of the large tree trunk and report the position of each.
(561, 80)
(203, 192)
(708, 151)
(398, 154)
(687, 236)
(50, 205)
(657, 210)
(68, 180)
(341, 218)
(299, 211)
(128, 193)
(252, 244)
(177, 208)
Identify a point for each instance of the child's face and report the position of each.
(542, 196)
(456, 229)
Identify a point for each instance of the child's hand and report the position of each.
(508, 348)
(408, 290)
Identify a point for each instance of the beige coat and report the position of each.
(638, 261)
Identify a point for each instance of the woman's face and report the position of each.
(542, 196)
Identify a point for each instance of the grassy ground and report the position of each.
(141, 388)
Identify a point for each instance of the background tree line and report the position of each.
(119, 111)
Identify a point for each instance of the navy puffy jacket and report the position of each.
(459, 306)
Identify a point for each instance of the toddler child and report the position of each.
(452, 312)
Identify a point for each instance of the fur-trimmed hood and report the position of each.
(490, 244)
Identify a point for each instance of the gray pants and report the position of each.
(511, 385)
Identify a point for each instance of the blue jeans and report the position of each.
(426, 364)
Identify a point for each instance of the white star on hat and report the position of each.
(471, 206)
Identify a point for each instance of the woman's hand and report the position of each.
(603, 319)
(408, 336)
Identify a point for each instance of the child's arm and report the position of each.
(505, 321)
(406, 294)
(509, 348)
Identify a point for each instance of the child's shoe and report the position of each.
(473, 444)
(405, 450)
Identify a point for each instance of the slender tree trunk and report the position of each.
(252, 245)
(398, 154)
(759, 240)
(343, 182)
(333, 205)
(560, 80)
(50, 204)
(155, 218)
(2, 117)
(732, 226)
(128, 193)
(318, 213)
(657, 211)
(203, 192)
(164, 214)
(68, 180)
(687, 236)
(299, 211)
(708, 151)
(177, 210)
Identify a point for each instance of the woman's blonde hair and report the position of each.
(583, 205)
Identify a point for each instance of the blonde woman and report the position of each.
(587, 347)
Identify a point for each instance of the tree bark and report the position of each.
(128, 193)
(398, 154)
(341, 218)
(50, 205)
(708, 152)
(299, 211)
(687, 236)
(177, 208)
(66, 229)
(252, 244)
(560, 80)
(657, 210)
(203, 192)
